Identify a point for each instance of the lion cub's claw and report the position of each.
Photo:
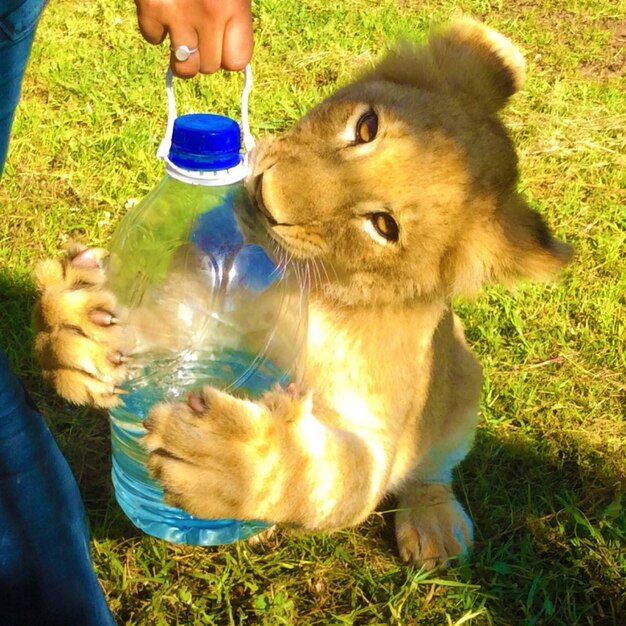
(103, 318)
(85, 257)
(196, 403)
(262, 538)
(78, 338)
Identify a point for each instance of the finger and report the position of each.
(210, 48)
(238, 43)
(152, 30)
(191, 66)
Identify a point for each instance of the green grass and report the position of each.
(545, 481)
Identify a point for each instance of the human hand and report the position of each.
(221, 30)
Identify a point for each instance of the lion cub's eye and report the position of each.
(366, 127)
(385, 226)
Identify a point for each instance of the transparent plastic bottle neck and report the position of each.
(209, 178)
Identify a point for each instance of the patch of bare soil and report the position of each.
(614, 62)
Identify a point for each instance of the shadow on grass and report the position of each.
(17, 295)
(549, 534)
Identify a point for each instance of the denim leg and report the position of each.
(46, 574)
(17, 30)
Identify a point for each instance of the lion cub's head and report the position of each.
(403, 183)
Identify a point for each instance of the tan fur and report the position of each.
(390, 395)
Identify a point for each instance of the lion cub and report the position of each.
(400, 191)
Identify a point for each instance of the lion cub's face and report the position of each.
(403, 188)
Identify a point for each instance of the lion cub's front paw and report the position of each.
(209, 454)
(431, 526)
(78, 341)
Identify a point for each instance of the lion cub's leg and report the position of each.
(431, 525)
(77, 337)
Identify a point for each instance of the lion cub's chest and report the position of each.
(371, 366)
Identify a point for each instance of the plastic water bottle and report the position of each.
(205, 297)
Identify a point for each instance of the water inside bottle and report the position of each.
(138, 494)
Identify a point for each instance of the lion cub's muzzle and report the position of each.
(257, 185)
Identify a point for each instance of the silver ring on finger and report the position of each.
(182, 53)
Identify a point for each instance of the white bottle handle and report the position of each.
(248, 139)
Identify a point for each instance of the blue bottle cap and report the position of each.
(205, 141)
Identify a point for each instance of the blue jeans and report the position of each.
(46, 575)
(18, 21)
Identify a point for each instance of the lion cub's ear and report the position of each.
(529, 250)
(515, 243)
(467, 57)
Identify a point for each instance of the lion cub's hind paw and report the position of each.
(434, 532)
(78, 341)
